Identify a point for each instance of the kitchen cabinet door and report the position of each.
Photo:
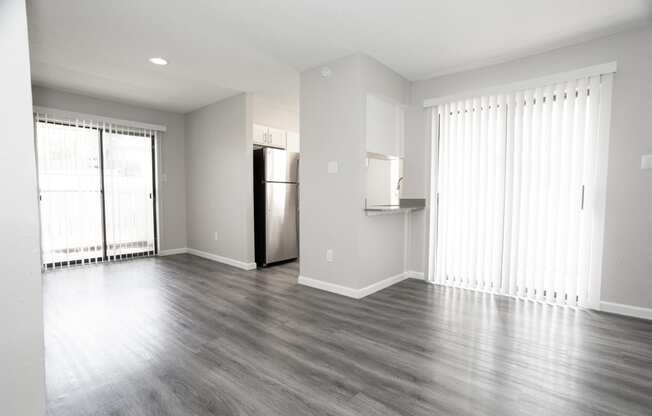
(276, 138)
(260, 134)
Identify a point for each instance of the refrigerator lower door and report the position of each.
(281, 222)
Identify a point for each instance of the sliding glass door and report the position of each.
(96, 192)
(70, 184)
(129, 194)
(520, 191)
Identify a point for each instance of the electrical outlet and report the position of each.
(332, 166)
(215, 235)
(329, 255)
(164, 177)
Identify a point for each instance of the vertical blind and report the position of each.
(518, 191)
(128, 191)
(70, 201)
(96, 190)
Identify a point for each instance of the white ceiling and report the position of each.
(218, 48)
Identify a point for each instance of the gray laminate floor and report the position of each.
(186, 336)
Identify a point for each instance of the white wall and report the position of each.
(172, 192)
(332, 119)
(331, 127)
(627, 264)
(22, 385)
(273, 112)
(416, 182)
(381, 186)
(381, 242)
(219, 168)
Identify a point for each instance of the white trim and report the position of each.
(172, 251)
(157, 187)
(432, 165)
(407, 239)
(328, 287)
(64, 115)
(602, 69)
(348, 291)
(220, 259)
(385, 283)
(600, 198)
(627, 310)
(412, 274)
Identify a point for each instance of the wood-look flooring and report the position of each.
(182, 335)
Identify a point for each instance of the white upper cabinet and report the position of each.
(260, 135)
(269, 136)
(385, 122)
(276, 137)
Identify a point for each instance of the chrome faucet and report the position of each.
(398, 184)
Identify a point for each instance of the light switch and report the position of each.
(332, 166)
(329, 255)
(646, 162)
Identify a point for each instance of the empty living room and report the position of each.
(333, 208)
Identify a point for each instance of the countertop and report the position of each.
(405, 205)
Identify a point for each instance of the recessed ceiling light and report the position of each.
(158, 61)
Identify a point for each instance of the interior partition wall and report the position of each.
(97, 193)
(519, 187)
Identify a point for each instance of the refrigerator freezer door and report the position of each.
(281, 225)
(281, 166)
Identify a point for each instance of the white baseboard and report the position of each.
(328, 287)
(627, 310)
(173, 251)
(368, 290)
(348, 291)
(415, 275)
(220, 259)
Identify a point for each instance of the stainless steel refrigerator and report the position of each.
(276, 205)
